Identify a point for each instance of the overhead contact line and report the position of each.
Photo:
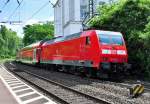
(15, 10)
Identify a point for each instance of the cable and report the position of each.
(38, 10)
(4, 5)
(15, 10)
(7, 3)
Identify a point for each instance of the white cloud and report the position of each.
(35, 21)
(31, 22)
(51, 18)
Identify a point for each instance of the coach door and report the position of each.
(85, 47)
(34, 56)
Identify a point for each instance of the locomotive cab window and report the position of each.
(105, 39)
(88, 42)
(110, 39)
(117, 40)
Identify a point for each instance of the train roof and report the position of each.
(37, 44)
(108, 32)
(68, 37)
(62, 38)
(76, 35)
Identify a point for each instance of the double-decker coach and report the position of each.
(30, 54)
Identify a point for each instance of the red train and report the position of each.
(92, 52)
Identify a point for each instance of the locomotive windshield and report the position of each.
(110, 39)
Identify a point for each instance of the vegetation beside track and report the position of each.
(7, 59)
(9, 43)
(132, 18)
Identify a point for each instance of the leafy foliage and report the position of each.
(9, 42)
(145, 50)
(36, 32)
(124, 16)
(131, 17)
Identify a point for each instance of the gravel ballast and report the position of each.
(101, 89)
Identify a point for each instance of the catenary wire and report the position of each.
(15, 10)
(39, 10)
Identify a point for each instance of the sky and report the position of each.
(25, 13)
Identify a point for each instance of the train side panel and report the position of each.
(61, 52)
(80, 51)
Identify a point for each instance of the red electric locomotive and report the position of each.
(92, 51)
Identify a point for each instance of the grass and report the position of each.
(6, 59)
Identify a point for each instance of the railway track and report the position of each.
(127, 83)
(114, 92)
(60, 92)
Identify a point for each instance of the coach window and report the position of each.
(88, 42)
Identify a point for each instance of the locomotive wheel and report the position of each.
(91, 73)
(102, 75)
(46, 67)
(112, 76)
(71, 69)
(115, 77)
(60, 68)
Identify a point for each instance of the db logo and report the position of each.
(113, 52)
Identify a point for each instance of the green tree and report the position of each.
(36, 32)
(124, 16)
(145, 50)
(1, 44)
(4, 47)
(9, 42)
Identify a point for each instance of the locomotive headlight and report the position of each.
(106, 51)
(121, 52)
